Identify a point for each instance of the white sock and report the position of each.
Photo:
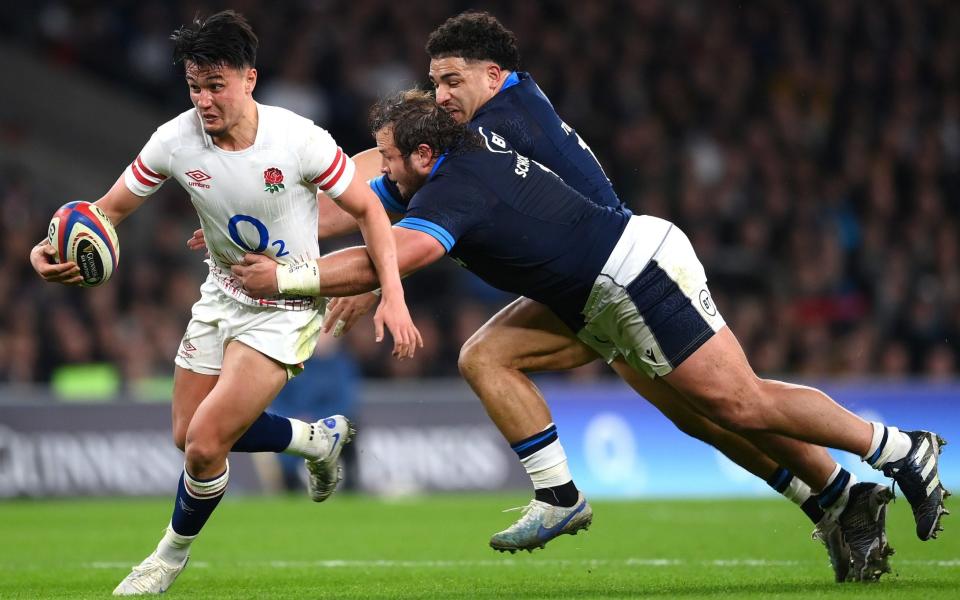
(882, 451)
(548, 467)
(836, 509)
(307, 440)
(797, 492)
(174, 548)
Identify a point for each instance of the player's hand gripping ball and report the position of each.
(82, 233)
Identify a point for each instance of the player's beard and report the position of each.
(411, 182)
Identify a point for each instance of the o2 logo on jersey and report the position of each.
(263, 235)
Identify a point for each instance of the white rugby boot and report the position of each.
(540, 523)
(152, 576)
(326, 472)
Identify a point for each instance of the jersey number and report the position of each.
(580, 141)
(262, 233)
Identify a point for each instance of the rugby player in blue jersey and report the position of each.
(474, 69)
(630, 287)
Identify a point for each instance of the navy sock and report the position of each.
(196, 500)
(547, 443)
(811, 507)
(834, 490)
(781, 480)
(536, 442)
(269, 433)
(565, 495)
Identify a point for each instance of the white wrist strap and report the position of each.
(299, 279)
(377, 292)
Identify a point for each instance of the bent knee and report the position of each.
(199, 454)
(476, 355)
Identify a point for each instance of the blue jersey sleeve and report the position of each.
(389, 194)
(444, 210)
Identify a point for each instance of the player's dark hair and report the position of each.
(475, 35)
(222, 39)
(417, 119)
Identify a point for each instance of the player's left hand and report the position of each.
(394, 314)
(257, 274)
(197, 241)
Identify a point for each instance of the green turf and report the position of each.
(437, 548)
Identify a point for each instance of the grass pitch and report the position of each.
(436, 547)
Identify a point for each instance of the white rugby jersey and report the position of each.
(261, 199)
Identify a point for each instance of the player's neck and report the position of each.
(504, 75)
(242, 135)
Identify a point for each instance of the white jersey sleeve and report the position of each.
(324, 164)
(150, 169)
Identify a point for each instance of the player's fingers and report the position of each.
(413, 341)
(58, 269)
(378, 327)
(338, 328)
(332, 316)
(62, 273)
(239, 271)
(406, 345)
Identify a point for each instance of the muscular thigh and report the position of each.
(528, 336)
(247, 384)
(189, 390)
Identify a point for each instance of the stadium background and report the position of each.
(810, 149)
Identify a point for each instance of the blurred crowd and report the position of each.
(811, 150)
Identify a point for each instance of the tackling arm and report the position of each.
(351, 271)
(346, 272)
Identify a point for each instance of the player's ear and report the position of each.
(424, 155)
(493, 74)
(250, 80)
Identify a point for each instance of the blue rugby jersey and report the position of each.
(523, 116)
(517, 226)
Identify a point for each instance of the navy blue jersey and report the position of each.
(517, 226)
(521, 114)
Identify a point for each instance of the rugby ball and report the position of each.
(82, 233)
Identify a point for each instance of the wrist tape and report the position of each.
(299, 279)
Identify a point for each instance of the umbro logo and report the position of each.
(198, 178)
(187, 349)
(649, 354)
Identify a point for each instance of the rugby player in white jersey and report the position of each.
(252, 173)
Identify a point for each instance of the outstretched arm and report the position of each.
(344, 272)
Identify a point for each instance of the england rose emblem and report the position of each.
(273, 180)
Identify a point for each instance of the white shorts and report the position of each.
(650, 303)
(286, 336)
